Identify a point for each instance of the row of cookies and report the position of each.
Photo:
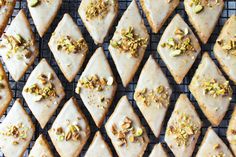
(70, 132)
(126, 47)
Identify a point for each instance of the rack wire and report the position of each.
(71, 6)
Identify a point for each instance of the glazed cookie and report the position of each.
(231, 132)
(158, 151)
(178, 48)
(203, 15)
(98, 17)
(5, 91)
(70, 130)
(212, 145)
(183, 128)
(157, 12)
(98, 146)
(68, 47)
(125, 130)
(152, 95)
(43, 92)
(41, 148)
(128, 45)
(43, 13)
(16, 131)
(225, 48)
(18, 47)
(6, 10)
(211, 90)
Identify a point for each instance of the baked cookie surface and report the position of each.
(212, 145)
(183, 128)
(225, 48)
(16, 131)
(97, 86)
(41, 148)
(18, 47)
(203, 15)
(70, 130)
(211, 90)
(98, 17)
(5, 91)
(158, 151)
(68, 47)
(125, 130)
(128, 45)
(157, 12)
(98, 147)
(6, 10)
(231, 132)
(43, 92)
(43, 13)
(152, 95)
(178, 48)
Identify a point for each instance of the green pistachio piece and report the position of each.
(33, 3)
(176, 53)
(198, 8)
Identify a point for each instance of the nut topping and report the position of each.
(159, 97)
(129, 42)
(99, 8)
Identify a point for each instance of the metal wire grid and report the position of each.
(71, 6)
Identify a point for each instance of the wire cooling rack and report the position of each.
(71, 6)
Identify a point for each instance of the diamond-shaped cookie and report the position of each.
(6, 10)
(5, 91)
(97, 86)
(125, 130)
(98, 17)
(41, 148)
(129, 43)
(213, 146)
(225, 48)
(43, 13)
(178, 48)
(98, 147)
(43, 92)
(158, 151)
(211, 90)
(70, 130)
(183, 128)
(157, 12)
(18, 47)
(152, 95)
(68, 47)
(16, 131)
(231, 132)
(203, 15)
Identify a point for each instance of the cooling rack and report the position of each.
(71, 6)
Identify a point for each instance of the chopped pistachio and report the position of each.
(129, 42)
(67, 44)
(198, 8)
(72, 132)
(181, 45)
(183, 129)
(110, 81)
(77, 90)
(47, 90)
(97, 8)
(33, 3)
(16, 45)
(215, 88)
(18, 132)
(229, 46)
(176, 53)
(158, 97)
(127, 132)
(93, 82)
